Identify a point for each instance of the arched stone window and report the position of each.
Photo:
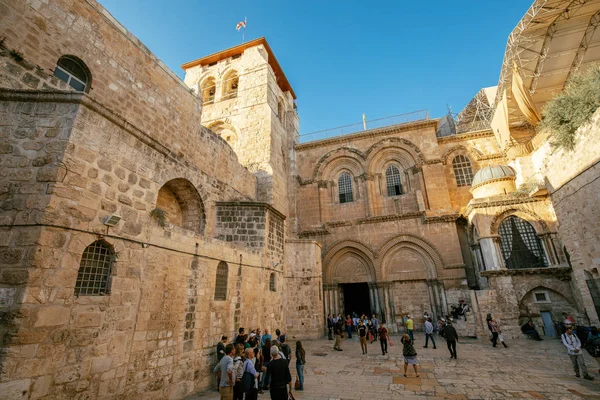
(74, 72)
(221, 283)
(272, 286)
(520, 245)
(345, 188)
(230, 85)
(393, 181)
(463, 171)
(208, 88)
(226, 132)
(182, 205)
(93, 277)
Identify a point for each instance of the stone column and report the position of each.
(336, 299)
(371, 297)
(376, 300)
(388, 308)
(443, 298)
(489, 250)
(432, 300)
(326, 299)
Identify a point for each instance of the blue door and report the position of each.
(548, 324)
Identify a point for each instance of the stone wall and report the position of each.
(304, 318)
(574, 193)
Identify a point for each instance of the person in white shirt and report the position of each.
(573, 345)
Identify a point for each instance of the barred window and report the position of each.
(393, 180)
(93, 277)
(74, 72)
(345, 188)
(463, 171)
(272, 286)
(221, 284)
(521, 248)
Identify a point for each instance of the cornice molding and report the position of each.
(563, 273)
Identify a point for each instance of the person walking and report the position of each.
(224, 371)
(410, 354)
(409, 327)
(451, 336)
(429, 333)
(496, 333)
(573, 345)
(362, 336)
(266, 354)
(375, 322)
(300, 362)
(278, 372)
(383, 338)
(329, 327)
(339, 329)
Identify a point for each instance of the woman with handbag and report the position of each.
(300, 361)
(410, 354)
(249, 376)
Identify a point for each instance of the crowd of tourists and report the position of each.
(256, 362)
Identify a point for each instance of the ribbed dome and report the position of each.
(492, 172)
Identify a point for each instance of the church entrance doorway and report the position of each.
(356, 298)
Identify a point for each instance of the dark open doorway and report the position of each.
(356, 298)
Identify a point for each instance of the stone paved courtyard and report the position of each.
(527, 369)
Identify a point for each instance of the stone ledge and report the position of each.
(559, 272)
(250, 204)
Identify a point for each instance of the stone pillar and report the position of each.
(489, 250)
(432, 300)
(336, 299)
(326, 299)
(371, 298)
(388, 309)
(443, 298)
(376, 300)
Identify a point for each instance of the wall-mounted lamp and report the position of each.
(112, 220)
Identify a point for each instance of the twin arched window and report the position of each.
(74, 72)
(221, 283)
(345, 188)
(93, 277)
(463, 170)
(520, 245)
(208, 88)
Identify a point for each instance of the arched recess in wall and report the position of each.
(379, 160)
(349, 262)
(182, 205)
(473, 154)
(329, 164)
(409, 257)
(538, 223)
(226, 131)
(395, 143)
(230, 84)
(208, 90)
(546, 298)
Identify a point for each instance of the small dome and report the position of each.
(491, 173)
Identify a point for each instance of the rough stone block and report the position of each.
(52, 316)
(15, 389)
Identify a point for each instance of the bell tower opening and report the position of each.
(356, 299)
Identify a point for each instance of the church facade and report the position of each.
(142, 217)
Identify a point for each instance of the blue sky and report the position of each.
(344, 58)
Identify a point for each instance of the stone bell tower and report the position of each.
(248, 101)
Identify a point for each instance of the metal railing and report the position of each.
(369, 124)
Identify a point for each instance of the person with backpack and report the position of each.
(249, 376)
(573, 345)
(286, 349)
(410, 354)
(238, 371)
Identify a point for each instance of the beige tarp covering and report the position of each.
(499, 122)
(523, 98)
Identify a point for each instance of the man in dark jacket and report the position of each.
(529, 330)
(329, 327)
(449, 333)
(279, 374)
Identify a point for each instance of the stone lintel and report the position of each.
(559, 272)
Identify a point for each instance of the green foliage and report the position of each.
(16, 55)
(572, 108)
(160, 216)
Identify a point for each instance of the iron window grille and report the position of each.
(272, 286)
(71, 71)
(93, 277)
(221, 283)
(463, 171)
(393, 180)
(521, 248)
(345, 188)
